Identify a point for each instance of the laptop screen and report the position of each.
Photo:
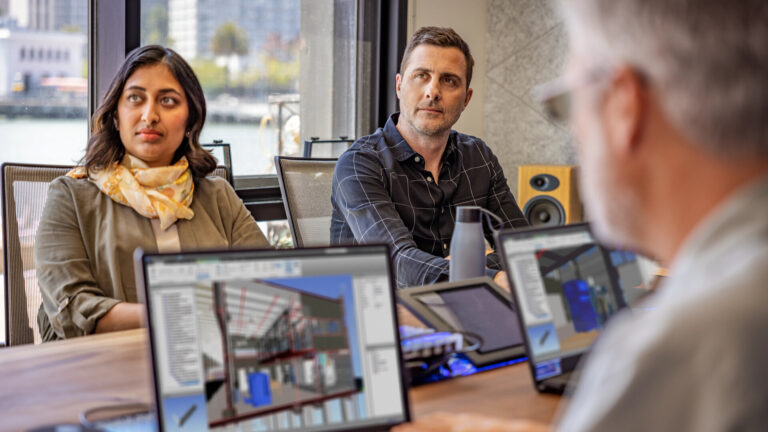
(275, 340)
(566, 287)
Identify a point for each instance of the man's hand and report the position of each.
(450, 422)
(502, 280)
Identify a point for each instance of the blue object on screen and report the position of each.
(582, 312)
(258, 383)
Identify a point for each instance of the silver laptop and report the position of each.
(566, 286)
(282, 340)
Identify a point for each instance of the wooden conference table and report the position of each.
(52, 383)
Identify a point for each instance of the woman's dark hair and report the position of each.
(105, 147)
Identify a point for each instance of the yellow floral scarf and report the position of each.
(164, 192)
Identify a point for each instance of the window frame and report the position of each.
(383, 24)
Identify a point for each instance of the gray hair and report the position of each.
(708, 60)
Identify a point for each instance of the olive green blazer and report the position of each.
(85, 243)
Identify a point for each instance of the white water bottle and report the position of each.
(467, 245)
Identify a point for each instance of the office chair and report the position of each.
(331, 147)
(223, 172)
(306, 188)
(223, 153)
(24, 192)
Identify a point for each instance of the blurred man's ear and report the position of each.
(398, 80)
(624, 110)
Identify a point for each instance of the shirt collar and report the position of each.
(400, 148)
(396, 143)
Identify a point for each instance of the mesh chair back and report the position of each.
(221, 151)
(306, 188)
(221, 171)
(24, 192)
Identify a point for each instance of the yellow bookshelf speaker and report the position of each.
(549, 194)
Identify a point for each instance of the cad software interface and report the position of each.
(262, 344)
(566, 292)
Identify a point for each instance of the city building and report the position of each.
(5, 6)
(193, 23)
(58, 15)
(19, 9)
(28, 57)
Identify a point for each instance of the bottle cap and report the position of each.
(469, 214)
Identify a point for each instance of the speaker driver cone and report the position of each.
(544, 211)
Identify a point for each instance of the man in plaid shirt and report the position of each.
(401, 185)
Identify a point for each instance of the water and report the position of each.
(54, 141)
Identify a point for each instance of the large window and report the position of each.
(275, 73)
(246, 56)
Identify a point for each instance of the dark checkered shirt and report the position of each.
(383, 194)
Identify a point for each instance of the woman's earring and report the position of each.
(187, 134)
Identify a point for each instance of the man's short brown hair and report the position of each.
(439, 36)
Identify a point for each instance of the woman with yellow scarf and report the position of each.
(143, 184)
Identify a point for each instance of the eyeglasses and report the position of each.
(555, 96)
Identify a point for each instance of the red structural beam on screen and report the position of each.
(240, 312)
(264, 317)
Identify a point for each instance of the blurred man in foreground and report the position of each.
(668, 104)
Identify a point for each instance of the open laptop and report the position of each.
(274, 340)
(565, 286)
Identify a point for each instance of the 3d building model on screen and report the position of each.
(578, 289)
(281, 350)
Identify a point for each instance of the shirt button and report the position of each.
(429, 179)
(417, 159)
(442, 210)
(445, 245)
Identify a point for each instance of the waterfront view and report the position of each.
(246, 58)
